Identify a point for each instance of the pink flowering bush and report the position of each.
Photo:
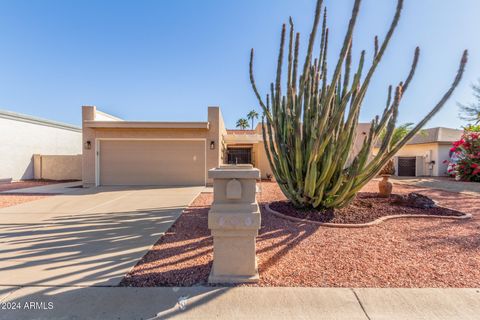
(467, 150)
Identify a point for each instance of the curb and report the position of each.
(367, 224)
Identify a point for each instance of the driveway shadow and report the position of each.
(82, 249)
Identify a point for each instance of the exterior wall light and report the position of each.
(212, 145)
(88, 145)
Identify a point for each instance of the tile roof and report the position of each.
(438, 134)
(434, 135)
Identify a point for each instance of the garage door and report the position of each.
(407, 166)
(152, 162)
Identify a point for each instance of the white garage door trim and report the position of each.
(97, 151)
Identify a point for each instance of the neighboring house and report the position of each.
(22, 136)
(425, 153)
(117, 152)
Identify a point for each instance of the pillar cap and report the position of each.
(240, 171)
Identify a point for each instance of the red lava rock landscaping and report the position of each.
(12, 199)
(367, 207)
(396, 253)
(25, 184)
(7, 200)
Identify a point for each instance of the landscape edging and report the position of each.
(367, 224)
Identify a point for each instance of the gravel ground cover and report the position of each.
(24, 184)
(7, 200)
(396, 253)
(367, 207)
(12, 199)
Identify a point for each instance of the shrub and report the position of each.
(467, 150)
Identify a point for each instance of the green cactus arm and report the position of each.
(308, 132)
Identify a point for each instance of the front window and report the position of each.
(239, 155)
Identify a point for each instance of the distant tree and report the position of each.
(471, 112)
(399, 133)
(472, 128)
(252, 115)
(242, 123)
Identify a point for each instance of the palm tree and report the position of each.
(400, 132)
(242, 123)
(252, 115)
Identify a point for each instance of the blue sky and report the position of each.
(169, 60)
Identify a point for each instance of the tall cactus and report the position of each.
(309, 131)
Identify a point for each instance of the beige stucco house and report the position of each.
(425, 153)
(118, 152)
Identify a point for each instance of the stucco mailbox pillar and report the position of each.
(234, 220)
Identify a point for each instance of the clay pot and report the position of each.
(385, 187)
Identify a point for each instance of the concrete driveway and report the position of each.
(90, 237)
(441, 183)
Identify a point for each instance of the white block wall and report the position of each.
(22, 136)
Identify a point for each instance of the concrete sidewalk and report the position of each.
(238, 303)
